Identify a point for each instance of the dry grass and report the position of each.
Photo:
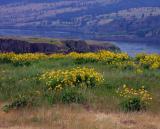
(76, 117)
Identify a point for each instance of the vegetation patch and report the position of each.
(84, 78)
(77, 77)
(134, 99)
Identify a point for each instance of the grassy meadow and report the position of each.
(79, 91)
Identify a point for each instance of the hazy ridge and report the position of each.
(127, 18)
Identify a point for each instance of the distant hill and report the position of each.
(136, 18)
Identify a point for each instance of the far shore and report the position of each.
(65, 35)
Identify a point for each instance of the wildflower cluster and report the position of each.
(111, 56)
(100, 56)
(76, 77)
(6, 57)
(21, 59)
(129, 93)
(57, 56)
(151, 61)
(118, 60)
(125, 64)
(90, 55)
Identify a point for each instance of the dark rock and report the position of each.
(77, 46)
(19, 46)
(44, 48)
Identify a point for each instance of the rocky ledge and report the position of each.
(22, 46)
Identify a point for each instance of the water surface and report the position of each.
(132, 48)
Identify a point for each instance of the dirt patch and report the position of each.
(76, 117)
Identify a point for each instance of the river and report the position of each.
(132, 48)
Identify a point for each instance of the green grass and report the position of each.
(43, 40)
(19, 80)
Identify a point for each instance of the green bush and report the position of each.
(21, 101)
(51, 97)
(21, 63)
(72, 96)
(65, 96)
(84, 61)
(132, 104)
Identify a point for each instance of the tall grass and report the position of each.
(19, 80)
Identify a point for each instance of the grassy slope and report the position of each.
(17, 80)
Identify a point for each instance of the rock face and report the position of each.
(77, 46)
(20, 46)
(17, 46)
(43, 48)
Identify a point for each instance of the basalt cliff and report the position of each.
(65, 46)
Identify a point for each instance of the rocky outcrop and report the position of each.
(9, 45)
(20, 46)
(44, 48)
(77, 46)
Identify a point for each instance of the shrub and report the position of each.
(26, 59)
(134, 99)
(124, 65)
(149, 61)
(132, 104)
(66, 96)
(72, 96)
(21, 101)
(104, 56)
(76, 77)
(57, 56)
(6, 57)
(84, 61)
(52, 97)
(21, 59)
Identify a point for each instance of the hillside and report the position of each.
(102, 90)
(100, 18)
